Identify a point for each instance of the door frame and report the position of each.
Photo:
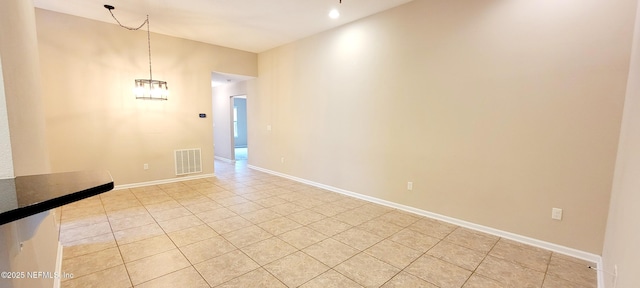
(231, 136)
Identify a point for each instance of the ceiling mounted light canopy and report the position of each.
(334, 14)
(145, 88)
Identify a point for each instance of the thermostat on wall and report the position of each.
(202, 115)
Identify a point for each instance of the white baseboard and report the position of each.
(500, 233)
(227, 160)
(56, 281)
(163, 181)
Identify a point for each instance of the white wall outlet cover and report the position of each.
(556, 213)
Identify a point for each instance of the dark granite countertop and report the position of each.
(28, 195)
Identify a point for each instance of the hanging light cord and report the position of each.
(110, 8)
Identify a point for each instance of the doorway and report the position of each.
(225, 88)
(239, 127)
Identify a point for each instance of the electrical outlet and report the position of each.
(556, 213)
(146, 166)
(281, 159)
(410, 186)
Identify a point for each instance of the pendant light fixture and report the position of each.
(145, 88)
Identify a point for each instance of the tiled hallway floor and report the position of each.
(245, 228)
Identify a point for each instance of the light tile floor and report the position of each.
(245, 228)
(241, 153)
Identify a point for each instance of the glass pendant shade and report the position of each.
(151, 89)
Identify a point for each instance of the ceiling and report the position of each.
(219, 79)
(249, 25)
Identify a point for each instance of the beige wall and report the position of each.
(6, 158)
(497, 111)
(23, 147)
(623, 232)
(38, 253)
(23, 91)
(94, 121)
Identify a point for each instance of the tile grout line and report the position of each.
(228, 180)
(117, 244)
(191, 264)
(59, 233)
(421, 255)
(480, 263)
(165, 234)
(360, 251)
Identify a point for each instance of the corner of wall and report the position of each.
(621, 250)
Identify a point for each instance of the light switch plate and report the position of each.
(556, 213)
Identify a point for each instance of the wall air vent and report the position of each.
(188, 161)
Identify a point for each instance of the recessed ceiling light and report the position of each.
(334, 14)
